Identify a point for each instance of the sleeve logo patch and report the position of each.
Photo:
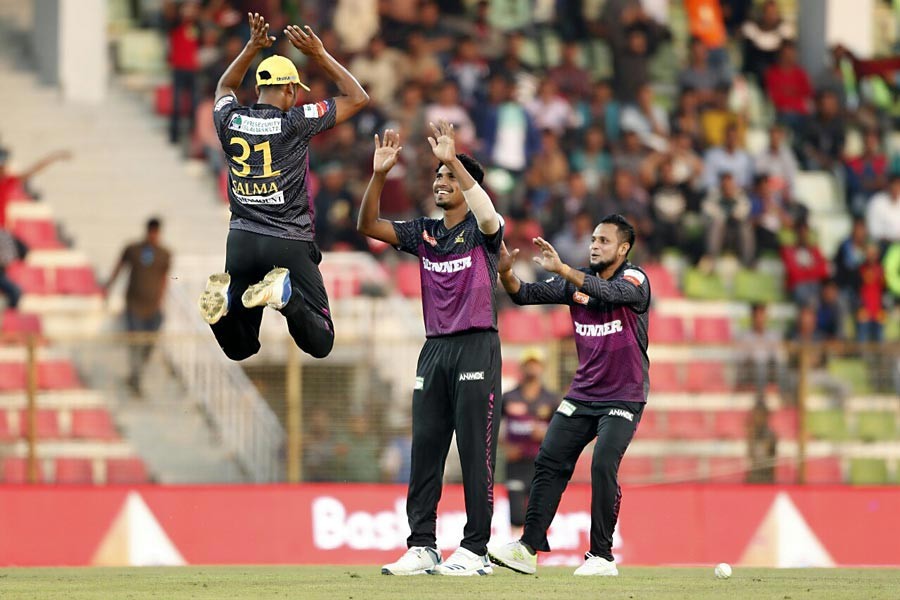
(429, 239)
(315, 111)
(223, 102)
(581, 298)
(634, 276)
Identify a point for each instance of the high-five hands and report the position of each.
(548, 259)
(305, 40)
(387, 151)
(259, 31)
(442, 143)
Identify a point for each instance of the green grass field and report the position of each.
(365, 583)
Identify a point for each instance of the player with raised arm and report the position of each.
(608, 302)
(458, 373)
(272, 222)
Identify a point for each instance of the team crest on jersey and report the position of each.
(460, 240)
(581, 298)
(429, 239)
(315, 111)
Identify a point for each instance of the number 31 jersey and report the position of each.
(267, 153)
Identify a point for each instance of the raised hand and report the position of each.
(507, 259)
(386, 152)
(259, 32)
(305, 40)
(548, 259)
(442, 143)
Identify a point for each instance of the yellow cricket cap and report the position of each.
(278, 70)
(532, 353)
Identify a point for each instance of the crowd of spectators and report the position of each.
(560, 106)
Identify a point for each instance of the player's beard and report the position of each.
(600, 266)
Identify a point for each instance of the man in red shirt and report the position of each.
(12, 185)
(804, 267)
(184, 45)
(789, 88)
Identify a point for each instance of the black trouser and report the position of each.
(518, 485)
(457, 389)
(248, 257)
(182, 81)
(139, 352)
(566, 438)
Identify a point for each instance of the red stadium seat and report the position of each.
(825, 469)
(76, 280)
(637, 469)
(13, 376)
(5, 433)
(74, 470)
(408, 279)
(649, 427)
(519, 326)
(47, 424)
(786, 472)
(93, 424)
(784, 423)
(727, 469)
(15, 470)
(662, 284)
(16, 322)
(126, 470)
(57, 375)
(561, 323)
(666, 329)
(687, 424)
(32, 280)
(707, 377)
(37, 234)
(681, 468)
(714, 330)
(665, 377)
(730, 424)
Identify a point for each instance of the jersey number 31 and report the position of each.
(244, 171)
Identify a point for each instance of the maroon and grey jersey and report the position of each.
(268, 164)
(610, 322)
(458, 269)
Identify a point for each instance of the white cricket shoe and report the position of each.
(515, 556)
(213, 303)
(595, 565)
(464, 563)
(273, 291)
(418, 560)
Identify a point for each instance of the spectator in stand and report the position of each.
(728, 158)
(380, 69)
(763, 37)
(686, 116)
(867, 173)
(871, 313)
(572, 80)
(831, 314)
(550, 110)
(630, 154)
(763, 357)
(511, 65)
(447, 107)
(355, 451)
(319, 447)
(883, 213)
(470, 72)
(438, 35)
(647, 119)
(669, 201)
(633, 41)
(527, 410)
(148, 263)
(779, 163)
(15, 186)
(762, 444)
(727, 210)
(715, 120)
(769, 215)
(355, 24)
(593, 160)
(335, 212)
(687, 165)
(699, 75)
(848, 259)
(9, 253)
(184, 46)
(601, 110)
(424, 67)
(789, 88)
(706, 24)
(804, 266)
(571, 241)
(231, 48)
(548, 171)
(822, 138)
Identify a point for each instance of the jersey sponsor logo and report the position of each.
(471, 376)
(315, 111)
(634, 276)
(581, 298)
(254, 125)
(276, 198)
(252, 188)
(223, 102)
(566, 408)
(618, 412)
(598, 330)
(449, 266)
(427, 237)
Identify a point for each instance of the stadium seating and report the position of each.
(876, 426)
(665, 377)
(406, 276)
(702, 286)
(757, 287)
(681, 468)
(687, 424)
(74, 470)
(666, 329)
(868, 471)
(32, 280)
(712, 330)
(13, 376)
(15, 470)
(662, 284)
(649, 427)
(727, 469)
(57, 375)
(46, 421)
(15, 322)
(519, 326)
(784, 423)
(93, 424)
(704, 376)
(637, 469)
(826, 469)
(730, 424)
(76, 280)
(561, 323)
(37, 234)
(126, 471)
(826, 425)
(5, 433)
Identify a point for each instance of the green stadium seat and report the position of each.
(852, 371)
(826, 425)
(876, 426)
(868, 471)
(757, 287)
(700, 286)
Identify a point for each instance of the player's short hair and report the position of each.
(153, 224)
(472, 166)
(625, 229)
